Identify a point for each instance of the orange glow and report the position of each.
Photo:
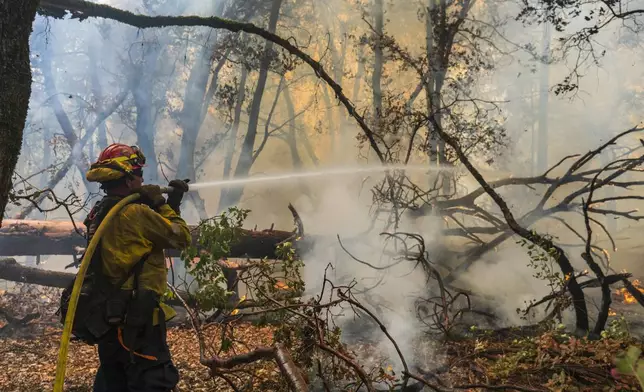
(230, 263)
(281, 286)
(627, 298)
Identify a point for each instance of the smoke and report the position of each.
(390, 293)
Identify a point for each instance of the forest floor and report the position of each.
(525, 359)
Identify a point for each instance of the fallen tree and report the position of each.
(33, 238)
(11, 270)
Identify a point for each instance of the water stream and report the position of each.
(235, 182)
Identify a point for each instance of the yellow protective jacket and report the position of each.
(138, 230)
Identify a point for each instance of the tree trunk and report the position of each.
(97, 89)
(189, 120)
(544, 84)
(376, 77)
(62, 171)
(212, 89)
(338, 65)
(430, 88)
(336, 119)
(46, 156)
(28, 238)
(232, 138)
(144, 100)
(145, 129)
(16, 20)
(80, 161)
(329, 119)
(246, 155)
(291, 139)
(359, 74)
(440, 33)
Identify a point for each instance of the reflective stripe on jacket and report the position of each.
(138, 230)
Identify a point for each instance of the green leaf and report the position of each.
(633, 354)
(226, 344)
(627, 362)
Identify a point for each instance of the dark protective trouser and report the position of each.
(119, 371)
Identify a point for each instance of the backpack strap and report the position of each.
(92, 222)
(136, 271)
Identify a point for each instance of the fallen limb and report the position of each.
(33, 238)
(632, 290)
(592, 283)
(277, 353)
(12, 271)
(216, 364)
(15, 321)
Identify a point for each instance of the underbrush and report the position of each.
(522, 358)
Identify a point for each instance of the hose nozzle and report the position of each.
(169, 188)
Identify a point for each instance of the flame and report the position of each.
(611, 312)
(229, 263)
(236, 311)
(627, 298)
(281, 286)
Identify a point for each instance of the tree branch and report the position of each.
(80, 9)
(547, 245)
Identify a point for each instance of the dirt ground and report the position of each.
(527, 358)
(29, 364)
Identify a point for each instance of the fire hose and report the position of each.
(61, 364)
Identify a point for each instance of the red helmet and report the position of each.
(116, 161)
(132, 154)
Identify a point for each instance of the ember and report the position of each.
(281, 286)
(626, 297)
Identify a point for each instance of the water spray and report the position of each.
(318, 173)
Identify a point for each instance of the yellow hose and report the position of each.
(78, 283)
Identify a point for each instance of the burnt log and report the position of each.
(33, 238)
(13, 271)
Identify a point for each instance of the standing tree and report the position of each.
(16, 19)
(247, 149)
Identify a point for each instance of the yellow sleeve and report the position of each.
(164, 229)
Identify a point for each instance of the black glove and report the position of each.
(178, 189)
(151, 195)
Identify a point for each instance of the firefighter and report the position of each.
(134, 354)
